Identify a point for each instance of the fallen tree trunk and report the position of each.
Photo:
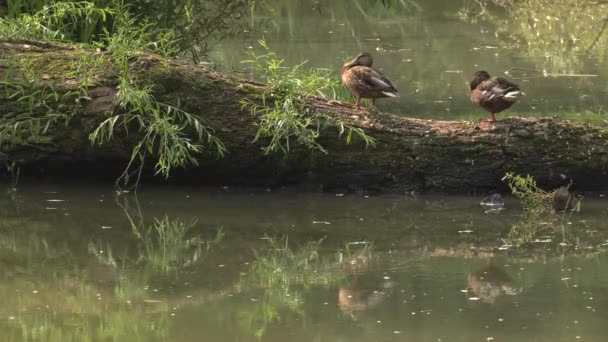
(410, 154)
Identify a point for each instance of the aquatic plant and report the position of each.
(284, 116)
(540, 213)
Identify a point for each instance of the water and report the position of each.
(78, 263)
(222, 264)
(430, 52)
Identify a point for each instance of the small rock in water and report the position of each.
(492, 203)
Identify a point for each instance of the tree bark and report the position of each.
(410, 155)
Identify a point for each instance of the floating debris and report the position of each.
(390, 48)
(466, 231)
(320, 222)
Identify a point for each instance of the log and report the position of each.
(410, 154)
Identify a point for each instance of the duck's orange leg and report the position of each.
(358, 103)
(491, 120)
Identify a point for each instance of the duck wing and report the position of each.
(373, 80)
(496, 88)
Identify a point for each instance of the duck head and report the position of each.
(478, 77)
(363, 59)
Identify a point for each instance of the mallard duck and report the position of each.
(493, 94)
(564, 198)
(365, 82)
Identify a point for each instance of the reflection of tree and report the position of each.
(167, 244)
(56, 291)
(281, 275)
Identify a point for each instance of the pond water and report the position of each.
(78, 263)
(429, 52)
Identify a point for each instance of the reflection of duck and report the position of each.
(493, 94)
(365, 82)
(489, 284)
(364, 290)
(356, 298)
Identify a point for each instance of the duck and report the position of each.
(564, 198)
(494, 94)
(365, 82)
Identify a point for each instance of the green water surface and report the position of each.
(79, 263)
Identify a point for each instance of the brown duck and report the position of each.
(493, 94)
(365, 82)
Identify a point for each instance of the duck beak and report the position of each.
(351, 63)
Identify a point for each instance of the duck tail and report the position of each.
(391, 93)
(512, 96)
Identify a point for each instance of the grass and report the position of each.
(285, 119)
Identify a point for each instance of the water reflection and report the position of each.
(489, 284)
(362, 293)
(160, 272)
(362, 289)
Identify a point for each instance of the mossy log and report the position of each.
(410, 154)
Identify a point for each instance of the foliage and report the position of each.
(54, 21)
(41, 104)
(532, 197)
(163, 129)
(168, 134)
(284, 115)
(196, 25)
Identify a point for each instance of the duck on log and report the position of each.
(410, 154)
